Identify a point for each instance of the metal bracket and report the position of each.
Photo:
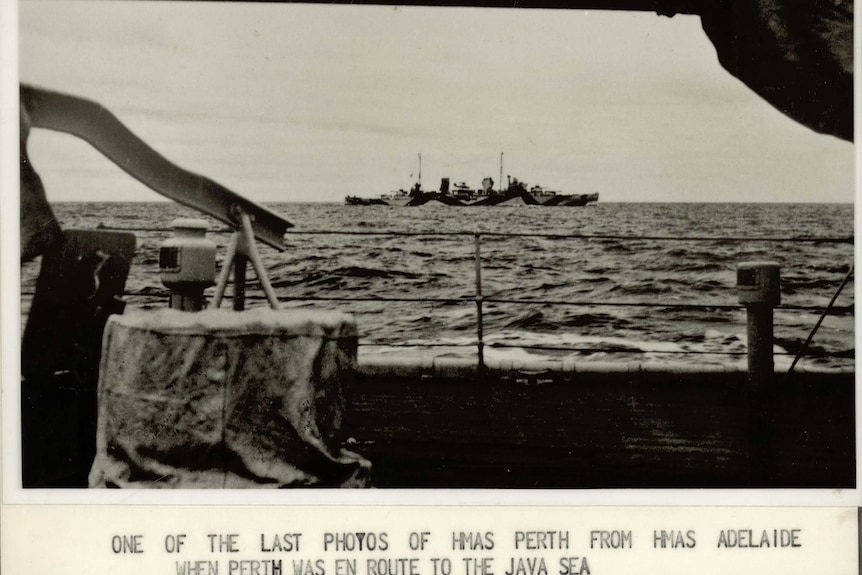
(240, 252)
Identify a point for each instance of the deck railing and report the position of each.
(480, 299)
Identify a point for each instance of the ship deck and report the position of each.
(610, 426)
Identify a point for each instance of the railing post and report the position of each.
(758, 288)
(480, 343)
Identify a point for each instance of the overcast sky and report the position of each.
(314, 102)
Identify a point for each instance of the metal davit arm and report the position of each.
(95, 124)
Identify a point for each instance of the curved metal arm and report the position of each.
(95, 124)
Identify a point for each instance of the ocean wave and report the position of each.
(793, 284)
(571, 270)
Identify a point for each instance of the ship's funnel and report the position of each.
(488, 185)
(444, 186)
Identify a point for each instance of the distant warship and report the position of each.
(460, 194)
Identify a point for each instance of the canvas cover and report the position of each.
(219, 399)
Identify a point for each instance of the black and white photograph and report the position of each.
(599, 245)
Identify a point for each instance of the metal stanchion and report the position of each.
(480, 343)
(758, 288)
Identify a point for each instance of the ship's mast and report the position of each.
(501, 172)
(420, 170)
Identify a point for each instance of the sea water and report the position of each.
(567, 289)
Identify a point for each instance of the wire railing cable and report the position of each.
(545, 235)
(398, 233)
(615, 350)
(832, 310)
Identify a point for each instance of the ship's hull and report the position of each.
(511, 198)
(357, 201)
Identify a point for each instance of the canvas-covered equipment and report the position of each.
(218, 399)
